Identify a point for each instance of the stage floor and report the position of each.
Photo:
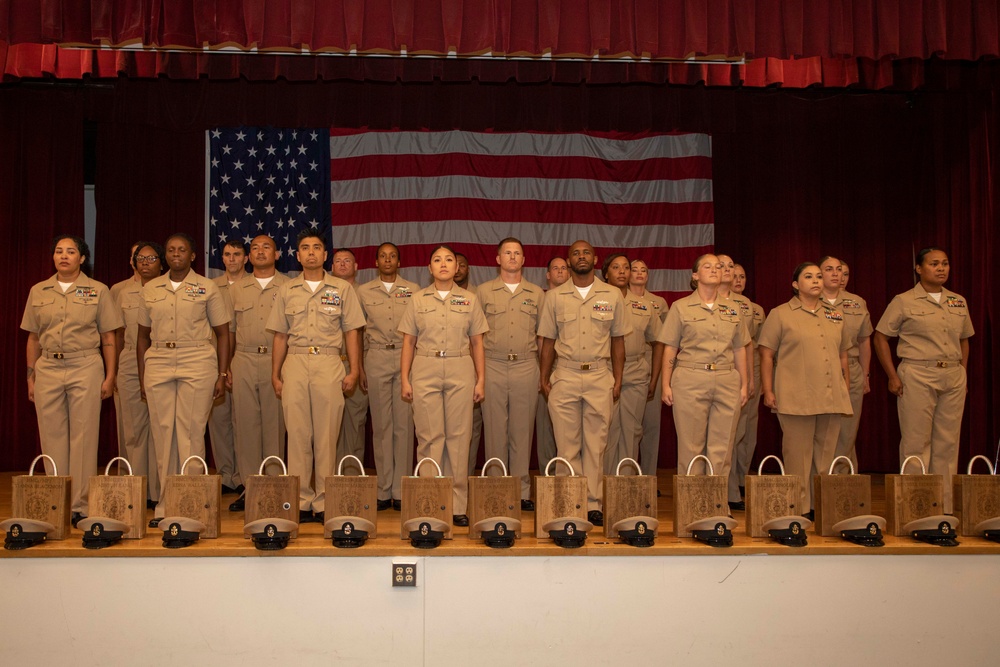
(310, 541)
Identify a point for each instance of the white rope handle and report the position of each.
(968, 471)
(340, 466)
(284, 468)
(923, 468)
(503, 466)
(850, 464)
(572, 473)
(107, 470)
(770, 456)
(421, 462)
(711, 470)
(55, 471)
(625, 460)
(203, 464)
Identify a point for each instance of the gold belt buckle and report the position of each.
(313, 349)
(440, 353)
(584, 367)
(261, 349)
(709, 367)
(943, 364)
(343, 357)
(511, 357)
(171, 345)
(57, 355)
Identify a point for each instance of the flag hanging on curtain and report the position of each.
(648, 195)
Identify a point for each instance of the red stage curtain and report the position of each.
(958, 29)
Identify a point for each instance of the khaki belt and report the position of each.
(704, 367)
(71, 355)
(383, 346)
(598, 365)
(253, 349)
(443, 353)
(501, 356)
(634, 357)
(314, 349)
(933, 364)
(171, 344)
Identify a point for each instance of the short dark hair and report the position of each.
(548, 267)
(81, 247)
(237, 243)
(157, 248)
(510, 239)
(385, 243)
(798, 272)
(922, 255)
(310, 233)
(186, 237)
(607, 263)
(347, 250)
(449, 249)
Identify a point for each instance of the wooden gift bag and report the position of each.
(557, 497)
(698, 497)
(911, 497)
(976, 497)
(427, 496)
(839, 497)
(770, 497)
(43, 498)
(272, 496)
(351, 496)
(121, 497)
(195, 497)
(492, 497)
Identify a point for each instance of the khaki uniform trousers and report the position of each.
(625, 430)
(580, 406)
(849, 425)
(220, 432)
(135, 442)
(258, 423)
(706, 409)
(509, 415)
(392, 422)
(312, 399)
(545, 441)
(930, 418)
(179, 385)
(68, 407)
(649, 447)
(442, 415)
(477, 437)
(746, 437)
(352, 428)
(807, 446)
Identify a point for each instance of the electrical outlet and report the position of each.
(404, 574)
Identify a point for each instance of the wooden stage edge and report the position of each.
(310, 541)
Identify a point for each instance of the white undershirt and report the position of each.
(313, 284)
(830, 301)
(584, 291)
(710, 306)
(512, 287)
(175, 285)
(388, 286)
(936, 297)
(264, 282)
(65, 286)
(443, 294)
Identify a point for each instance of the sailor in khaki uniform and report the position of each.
(258, 423)
(704, 368)
(583, 326)
(71, 321)
(649, 447)
(511, 305)
(809, 387)
(638, 377)
(556, 274)
(384, 301)
(462, 280)
(135, 442)
(858, 324)
(442, 369)
(220, 421)
(352, 428)
(180, 372)
(745, 441)
(315, 318)
(933, 326)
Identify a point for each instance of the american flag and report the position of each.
(265, 180)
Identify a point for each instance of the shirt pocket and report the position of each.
(243, 313)
(295, 317)
(530, 319)
(43, 308)
(328, 318)
(193, 308)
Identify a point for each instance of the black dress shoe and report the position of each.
(527, 505)
(596, 517)
(240, 489)
(238, 505)
(739, 506)
(460, 520)
(155, 521)
(305, 516)
(151, 504)
(226, 490)
(658, 494)
(76, 518)
(383, 504)
(811, 515)
(743, 492)
(319, 517)
(397, 505)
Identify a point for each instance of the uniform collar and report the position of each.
(596, 287)
(796, 304)
(920, 293)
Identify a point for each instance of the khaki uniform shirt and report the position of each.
(808, 379)
(443, 324)
(745, 306)
(645, 325)
(252, 305)
(384, 310)
(659, 304)
(317, 318)
(70, 321)
(702, 335)
(127, 295)
(927, 330)
(857, 320)
(185, 314)
(511, 316)
(582, 328)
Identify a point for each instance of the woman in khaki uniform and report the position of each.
(933, 327)
(809, 390)
(704, 368)
(746, 427)
(649, 446)
(442, 370)
(71, 321)
(180, 372)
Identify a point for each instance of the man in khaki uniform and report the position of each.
(352, 428)
(258, 424)
(134, 440)
(220, 422)
(746, 428)
(511, 305)
(384, 301)
(583, 328)
(649, 446)
(315, 317)
(858, 328)
(556, 274)
(462, 280)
